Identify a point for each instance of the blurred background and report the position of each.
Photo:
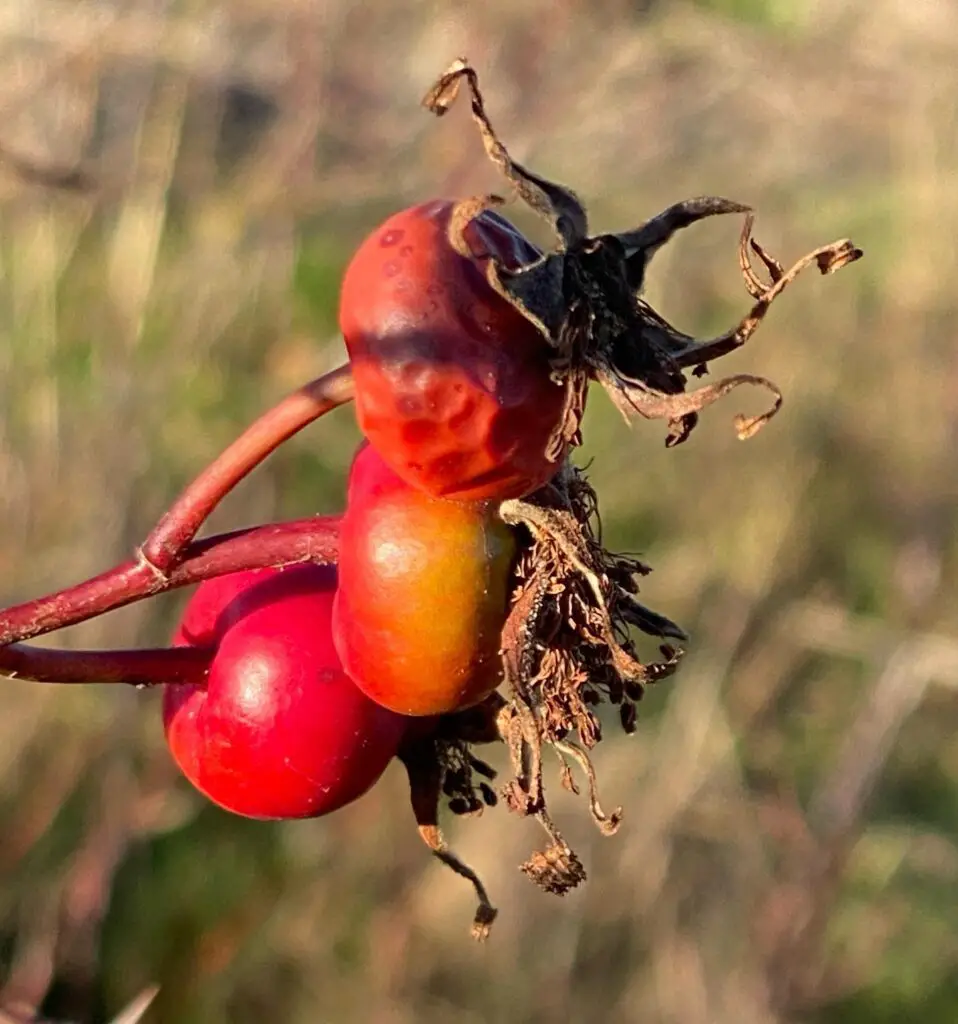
(790, 843)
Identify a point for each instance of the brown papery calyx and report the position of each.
(585, 295)
(567, 645)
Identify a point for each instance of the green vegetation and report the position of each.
(143, 326)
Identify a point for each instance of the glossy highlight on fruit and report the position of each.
(453, 384)
(278, 730)
(423, 593)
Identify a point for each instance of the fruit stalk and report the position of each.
(135, 668)
(278, 544)
(165, 547)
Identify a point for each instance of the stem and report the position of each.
(278, 544)
(137, 668)
(165, 547)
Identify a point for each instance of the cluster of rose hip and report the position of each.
(463, 597)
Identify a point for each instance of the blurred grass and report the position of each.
(790, 847)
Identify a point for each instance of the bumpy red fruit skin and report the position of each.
(279, 730)
(453, 385)
(423, 593)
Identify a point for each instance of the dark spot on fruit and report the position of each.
(418, 432)
(406, 250)
(452, 464)
(390, 238)
(463, 422)
(503, 431)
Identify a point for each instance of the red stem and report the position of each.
(301, 540)
(138, 668)
(165, 546)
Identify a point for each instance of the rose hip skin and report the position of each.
(453, 385)
(423, 593)
(278, 730)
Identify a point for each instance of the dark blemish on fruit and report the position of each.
(406, 250)
(393, 237)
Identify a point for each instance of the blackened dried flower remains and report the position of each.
(567, 646)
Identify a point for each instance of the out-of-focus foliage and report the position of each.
(790, 843)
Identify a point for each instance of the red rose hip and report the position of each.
(423, 593)
(278, 730)
(453, 384)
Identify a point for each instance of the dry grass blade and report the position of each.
(135, 1011)
(130, 1014)
(33, 172)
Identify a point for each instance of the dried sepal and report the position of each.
(584, 297)
(681, 410)
(608, 824)
(430, 763)
(558, 205)
(566, 561)
(689, 353)
(566, 648)
(642, 243)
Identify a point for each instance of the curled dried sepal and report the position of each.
(568, 635)
(584, 296)
(560, 206)
(566, 647)
(689, 353)
(608, 824)
(682, 410)
(431, 763)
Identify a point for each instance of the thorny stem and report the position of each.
(278, 544)
(165, 546)
(135, 668)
